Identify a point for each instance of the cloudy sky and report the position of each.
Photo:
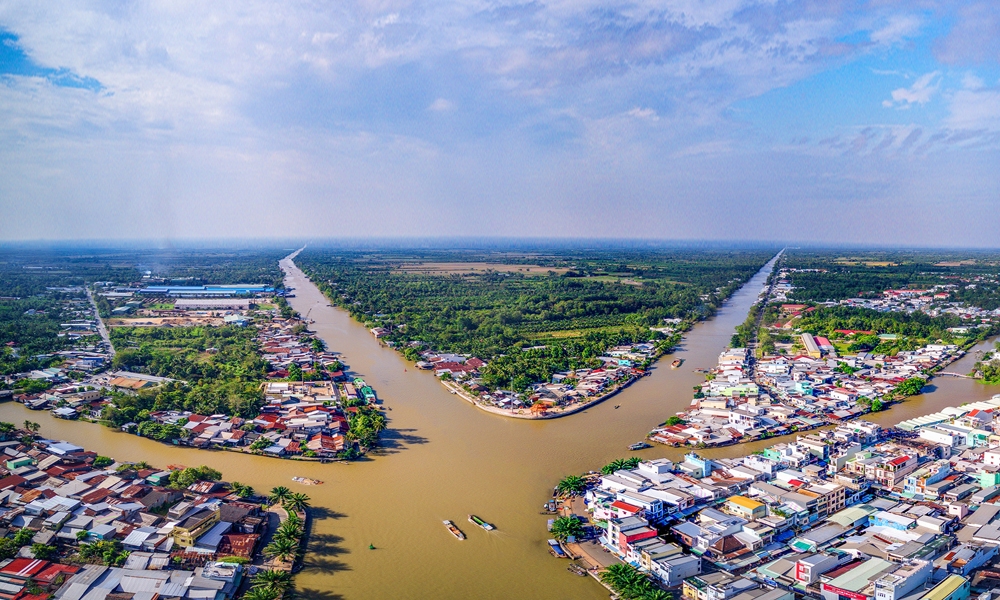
(816, 120)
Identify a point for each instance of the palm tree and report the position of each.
(282, 549)
(261, 593)
(564, 527)
(296, 502)
(571, 485)
(279, 494)
(31, 426)
(619, 464)
(294, 519)
(272, 580)
(657, 594)
(6, 429)
(289, 530)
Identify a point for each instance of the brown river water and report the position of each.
(446, 459)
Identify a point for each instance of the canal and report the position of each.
(445, 459)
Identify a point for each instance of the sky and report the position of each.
(827, 121)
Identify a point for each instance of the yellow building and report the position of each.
(187, 532)
(744, 507)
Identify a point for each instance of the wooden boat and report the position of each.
(455, 531)
(477, 521)
(557, 550)
(677, 362)
(639, 446)
(307, 481)
(617, 406)
(577, 570)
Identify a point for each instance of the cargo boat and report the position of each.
(477, 521)
(307, 481)
(455, 531)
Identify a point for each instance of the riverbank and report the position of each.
(548, 400)
(523, 413)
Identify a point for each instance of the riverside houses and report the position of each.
(170, 543)
(856, 512)
(785, 394)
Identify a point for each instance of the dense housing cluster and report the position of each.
(77, 525)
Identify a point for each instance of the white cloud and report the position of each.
(644, 113)
(921, 92)
(975, 109)
(441, 105)
(898, 28)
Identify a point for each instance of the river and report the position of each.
(445, 459)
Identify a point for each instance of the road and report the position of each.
(100, 324)
(760, 306)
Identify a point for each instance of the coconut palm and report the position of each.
(296, 502)
(571, 485)
(289, 530)
(261, 593)
(279, 494)
(282, 549)
(294, 519)
(564, 527)
(273, 580)
(619, 464)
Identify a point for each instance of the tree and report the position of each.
(6, 429)
(261, 593)
(296, 502)
(43, 551)
(564, 527)
(103, 461)
(619, 464)
(273, 580)
(675, 420)
(241, 490)
(187, 477)
(876, 405)
(279, 494)
(31, 426)
(290, 530)
(282, 549)
(571, 485)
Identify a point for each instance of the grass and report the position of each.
(568, 333)
(466, 268)
(161, 306)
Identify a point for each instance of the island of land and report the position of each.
(531, 335)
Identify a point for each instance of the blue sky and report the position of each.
(819, 120)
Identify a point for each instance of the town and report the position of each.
(308, 407)
(80, 525)
(567, 393)
(856, 512)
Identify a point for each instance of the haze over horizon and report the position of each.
(828, 121)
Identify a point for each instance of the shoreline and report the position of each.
(457, 390)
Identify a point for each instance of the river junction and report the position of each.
(444, 459)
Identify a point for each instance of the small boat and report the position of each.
(371, 546)
(477, 521)
(617, 406)
(677, 362)
(307, 481)
(455, 531)
(577, 570)
(557, 550)
(639, 446)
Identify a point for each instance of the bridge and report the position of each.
(951, 374)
